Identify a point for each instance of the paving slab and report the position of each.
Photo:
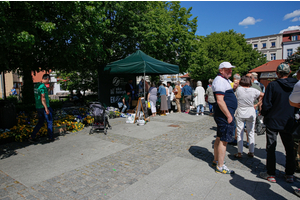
(189, 179)
(36, 163)
(182, 117)
(150, 130)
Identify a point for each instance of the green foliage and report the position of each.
(219, 47)
(12, 99)
(294, 61)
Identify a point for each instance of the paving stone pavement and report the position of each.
(190, 137)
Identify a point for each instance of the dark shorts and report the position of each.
(224, 130)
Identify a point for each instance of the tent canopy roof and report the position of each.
(140, 63)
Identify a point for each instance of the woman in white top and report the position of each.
(199, 100)
(246, 113)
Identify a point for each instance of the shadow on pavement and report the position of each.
(202, 154)
(11, 149)
(260, 191)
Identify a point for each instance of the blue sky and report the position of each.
(252, 18)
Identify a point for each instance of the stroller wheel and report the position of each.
(91, 131)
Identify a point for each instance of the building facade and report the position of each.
(12, 79)
(290, 42)
(270, 46)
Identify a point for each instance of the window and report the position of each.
(255, 46)
(294, 38)
(268, 75)
(273, 56)
(273, 44)
(264, 45)
(289, 52)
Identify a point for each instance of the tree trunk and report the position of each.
(28, 87)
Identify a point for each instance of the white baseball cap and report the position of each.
(226, 65)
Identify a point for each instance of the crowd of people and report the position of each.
(235, 106)
(238, 105)
(168, 97)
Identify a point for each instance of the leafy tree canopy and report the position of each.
(294, 61)
(224, 46)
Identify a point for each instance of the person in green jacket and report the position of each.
(43, 109)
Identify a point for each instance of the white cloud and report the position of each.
(290, 28)
(296, 19)
(291, 15)
(249, 21)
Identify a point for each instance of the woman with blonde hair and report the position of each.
(245, 113)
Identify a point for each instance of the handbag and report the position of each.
(149, 104)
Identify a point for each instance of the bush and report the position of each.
(56, 104)
(12, 99)
(27, 108)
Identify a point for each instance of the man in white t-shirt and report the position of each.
(295, 95)
(224, 114)
(294, 100)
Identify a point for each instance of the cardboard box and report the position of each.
(134, 102)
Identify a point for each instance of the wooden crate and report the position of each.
(60, 129)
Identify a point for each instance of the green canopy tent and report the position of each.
(140, 63)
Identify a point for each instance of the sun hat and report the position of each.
(254, 74)
(283, 68)
(225, 65)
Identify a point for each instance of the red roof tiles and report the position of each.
(268, 67)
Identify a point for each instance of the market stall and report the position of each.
(140, 63)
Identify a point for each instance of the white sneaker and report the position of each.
(197, 114)
(202, 114)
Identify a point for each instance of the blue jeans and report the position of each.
(42, 116)
(202, 108)
(210, 107)
(125, 107)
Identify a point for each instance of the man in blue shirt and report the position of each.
(13, 91)
(224, 113)
(187, 93)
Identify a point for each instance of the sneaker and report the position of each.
(224, 170)
(202, 114)
(197, 114)
(268, 177)
(247, 145)
(297, 192)
(289, 178)
(52, 140)
(32, 140)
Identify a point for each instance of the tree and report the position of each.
(294, 61)
(73, 36)
(219, 47)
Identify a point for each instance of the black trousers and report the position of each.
(287, 140)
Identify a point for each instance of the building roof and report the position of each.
(185, 76)
(268, 67)
(293, 31)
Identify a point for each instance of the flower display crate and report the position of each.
(62, 129)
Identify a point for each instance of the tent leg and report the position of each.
(144, 86)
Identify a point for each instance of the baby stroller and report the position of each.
(100, 118)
